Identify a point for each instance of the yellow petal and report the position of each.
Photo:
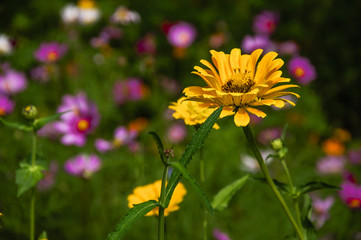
(210, 66)
(234, 60)
(241, 118)
(256, 112)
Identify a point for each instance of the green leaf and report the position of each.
(283, 187)
(40, 122)
(223, 197)
(133, 214)
(27, 176)
(19, 126)
(194, 145)
(159, 143)
(43, 236)
(307, 226)
(314, 186)
(193, 182)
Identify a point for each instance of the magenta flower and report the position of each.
(351, 194)
(176, 132)
(331, 165)
(131, 89)
(265, 22)
(49, 130)
(122, 136)
(81, 121)
(181, 34)
(11, 81)
(266, 136)
(147, 45)
(302, 70)
(320, 210)
(251, 43)
(83, 165)
(287, 48)
(6, 106)
(218, 235)
(50, 52)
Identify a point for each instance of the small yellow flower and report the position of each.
(152, 192)
(190, 112)
(238, 83)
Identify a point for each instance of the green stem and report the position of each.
(32, 198)
(202, 177)
(162, 199)
(250, 139)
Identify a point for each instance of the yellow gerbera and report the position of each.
(238, 83)
(152, 192)
(190, 112)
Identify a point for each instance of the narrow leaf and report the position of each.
(314, 186)
(223, 197)
(43, 236)
(40, 122)
(19, 126)
(27, 177)
(194, 145)
(159, 143)
(283, 187)
(193, 182)
(133, 214)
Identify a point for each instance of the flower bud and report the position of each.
(29, 112)
(277, 144)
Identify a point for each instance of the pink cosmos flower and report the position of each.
(331, 165)
(287, 48)
(265, 22)
(122, 136)
(351, 194)
(6, 105)
(11, 81)
(176, 132)
(50, 52)
(302, 70)
(320, 210)
(131, 89)
(181, 34)
(81, 121)
(218, 235)
(251, 43)
(83, 165)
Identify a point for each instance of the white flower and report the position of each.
(250, 164)
(5, 45)
(88, 15)
(125, 16)
(69, 13)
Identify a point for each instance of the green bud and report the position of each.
(29, 112)
(277, 144)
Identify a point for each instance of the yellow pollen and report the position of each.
(52, 56)
(355, 203)
(299, 72)
(83, 125)
(86, 4)
(2, 112)
(239, 83)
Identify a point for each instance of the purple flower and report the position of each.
(176, 132)
(351, 194)
(130, 90)
(265, 22)
(147, 45)
(49, 130)
(103, 145)
(355, 156)
(12, 81)
(49, 177)
(287, 48)
(217, 234)
(266, 136)
(83, 165)
(6, 106)
(302, 69)
(181, 34)
(50, 52)
(321, 209)
(78, 123)
(251, 43)
(122, 136)
(331, 165)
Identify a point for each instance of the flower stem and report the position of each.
(161, 220)
(250, 139)
(32, 198)
(202, 178)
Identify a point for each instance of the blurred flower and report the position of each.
(218, 235)
(131, 89)
(267, 135)
(320, 210)
(12, 81)
(88, 12)
(49, 177)
(333, 147)
(287, 48)
(138, 124)
(49, 130)
(302, 70)
(5, 45)
(6, 105)
(353, 155)
(50, 52)
(146, 45)
(190, 112)
(181, 34)
(40, 73)
(176, 133)
(251, 43)
(239, 84)
(331, 165)
(103, 145)
(342, 135)
(125, 16)
(250, 163)
(152, 192)
(217, 40)
(83, 165)
(69, 13)
(351, 194)
(106, 35)
(78, 123)
(265, 22)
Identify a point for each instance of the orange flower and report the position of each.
(334, 147)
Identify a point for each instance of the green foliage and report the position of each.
(159, 143)
(314, 186)
(133, 214)
(19, 126)
(27, 177)
(222, 198)
(40, 122)
(43, 236)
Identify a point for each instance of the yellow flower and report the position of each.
(190, 112)
(238, 83)
(152, 192)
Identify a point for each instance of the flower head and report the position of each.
(50, 52)
(88, 12)
(251, 43)
(176, 132)
(78, 123)
(239, 84)
(69, 14)
(12, 82)
(147, 45)
(125, 16)
(152, 192)
(351, 194)
(218, 235)
(302, 70)
(131, 89)
(181, 34)
(320, 210)
(6, 105)
(333, 146)
(265, 22)
(5, 45)
(331, 165)
(83, 165)
(287, 48)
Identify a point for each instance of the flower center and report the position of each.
(299, 72)
(52, 56)
(239, 83)
(354, 203)
(2, 112)
(83, 125)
